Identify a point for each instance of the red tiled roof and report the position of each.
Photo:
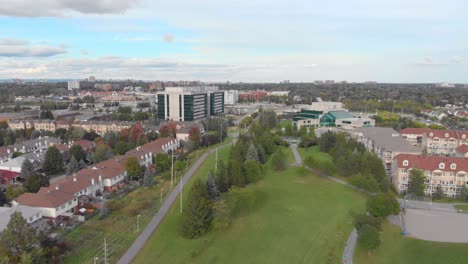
(462, 148)
(8, 175)
(51, 199)
(62, 147)
(431, 163)
(457, 134)
(85, 144)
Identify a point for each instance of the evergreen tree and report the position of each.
(237, 174)
(27, 169)
(252, 153)
(278, 160)
(148, 177)
(252, 171)
(73, 166)
(197, 214)
(262, 157)
(19, 238)
(222, 179)
(3, 198)
(211, 187)
(53, 162)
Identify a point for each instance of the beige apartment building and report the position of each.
(100, 127)
(436, 142)
(448, 173)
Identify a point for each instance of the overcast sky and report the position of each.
(238, 40)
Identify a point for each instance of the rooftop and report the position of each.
(387, 139)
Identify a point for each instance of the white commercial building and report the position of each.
(72, 85)
(190, 103)
(231, 97)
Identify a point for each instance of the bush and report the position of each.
(307, 141)
(382, 205)
(361, 220)
(278, 161)
(364, 182)
(369, 237)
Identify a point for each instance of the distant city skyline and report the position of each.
(250, 41)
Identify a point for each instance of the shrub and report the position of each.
(383, 204)
(361, 220)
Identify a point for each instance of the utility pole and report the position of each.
(138, 223)
(105, 251)
(216, 160)
(162, 195)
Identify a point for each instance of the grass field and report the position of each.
(298, 218)
(315, 152)
(396, 248)
(463, 207)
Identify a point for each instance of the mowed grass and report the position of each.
(463, 207)
(298, 218)
(396, 248)
(315, 152)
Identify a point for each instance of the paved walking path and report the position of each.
(165, 207)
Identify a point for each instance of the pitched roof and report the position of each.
(462, 148)
(387, 139)
(431, 163)
(51, 199)
(456, 134)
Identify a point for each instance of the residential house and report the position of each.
(462, 151)
(31, 215)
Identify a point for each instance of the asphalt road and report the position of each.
(159, 216)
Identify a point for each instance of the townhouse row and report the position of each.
(64, 198)
(100, 127)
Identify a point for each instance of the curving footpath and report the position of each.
(161, 213)
(348, 252)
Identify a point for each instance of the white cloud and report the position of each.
(41, 8)
(168, 38)
(84, 52)
(22, 48)
(428, 61)
(457, 59)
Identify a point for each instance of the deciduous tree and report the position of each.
(20, 238)
(416, 185)
(133, 168)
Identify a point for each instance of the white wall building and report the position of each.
(72, 85)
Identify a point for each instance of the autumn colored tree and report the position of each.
(195, 135)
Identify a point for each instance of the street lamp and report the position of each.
(138, 223)
(95, 260)
(162, 189)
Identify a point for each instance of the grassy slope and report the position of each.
(396, 248)
(315, 151)
(299, 218)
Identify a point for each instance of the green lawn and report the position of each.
(396, 248)
(463, 207)
(298, 218)
(315, 151)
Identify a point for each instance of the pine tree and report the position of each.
(252, 153)
(237, 174)
(148, 177)
(73, 166)
(27, 169)
(211, 187)
(197, 215)
(222, 179)
(53, 162)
